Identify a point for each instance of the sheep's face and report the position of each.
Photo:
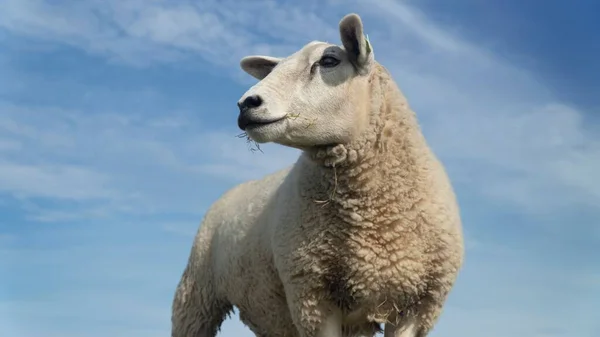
(316, 96)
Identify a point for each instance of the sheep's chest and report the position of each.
(373, 271)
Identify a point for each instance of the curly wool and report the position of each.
(361, 233)
(390, 236)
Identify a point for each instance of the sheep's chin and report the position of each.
(266, 133)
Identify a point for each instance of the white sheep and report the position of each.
(364, 229)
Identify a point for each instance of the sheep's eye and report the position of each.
(328, 62)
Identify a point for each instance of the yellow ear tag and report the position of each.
(368, 43)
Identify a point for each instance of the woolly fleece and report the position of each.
(356, 233)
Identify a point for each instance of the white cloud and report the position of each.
(142, 32)
(485, 117)
(418, 25)
(497, 128)
(116, 311)
(132, 164)
(48, 181)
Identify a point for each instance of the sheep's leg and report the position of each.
(311, 317)
(421, 320)
(331, 326)
(197, 312)
(407, 328)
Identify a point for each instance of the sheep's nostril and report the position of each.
(250, 102)
(253, 101)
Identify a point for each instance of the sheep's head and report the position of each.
(316, 96)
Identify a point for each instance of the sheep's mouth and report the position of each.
(245, 123)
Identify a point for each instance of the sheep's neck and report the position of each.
(388, 165)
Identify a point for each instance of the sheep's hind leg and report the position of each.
(419, 322)
(197, 312)
(316, 321)
(408, 328)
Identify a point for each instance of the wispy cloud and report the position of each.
(144, 32)
(131, 176)
(498, 128)
(480, 113)
(95, 160)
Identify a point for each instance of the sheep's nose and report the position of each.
(250, 102)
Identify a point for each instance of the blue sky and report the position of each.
(118, 130)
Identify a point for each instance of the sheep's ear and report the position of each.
(355, 42)
(259, 66)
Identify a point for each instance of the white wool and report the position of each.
(364, 229)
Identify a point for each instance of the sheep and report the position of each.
(363, 230)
